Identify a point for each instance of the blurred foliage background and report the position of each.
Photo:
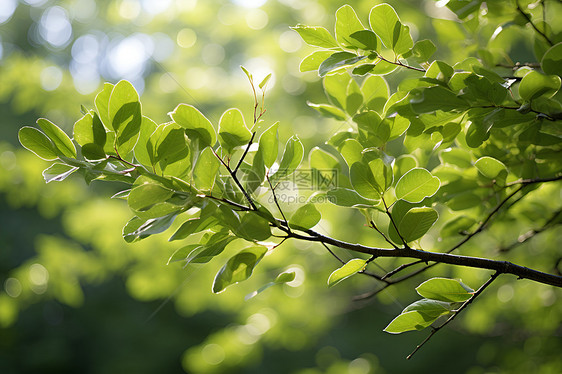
(76, 298)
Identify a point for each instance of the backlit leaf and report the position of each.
(347, 270)
(416, 185)
(238, 268)
(445, 289)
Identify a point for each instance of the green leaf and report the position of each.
(416, 222)
(409, 321)
(238, 268)
(347, 270)
(305, 217)
(328, 111)
(59, 138)
(363, 181)
(138, 229)
(437, 98)
(422, 51)
(292, 158)
(551, 62)
(207, 251)
(253, 227)
(321, 160)
(439, 70)
(149, 199)
(232, 130)
(205, 170)
(457, 226)
(207, 219)
(490, 167)
(429, 308)
(284, 277)
(365, 39)
(481, 89)
(316, 36)
(312, 61)
(535, 85)
(125, 116)
(102, 104)
(385, 23)
(194, 225)
(181, 253)
(263, 83)
(416, 185)
(196, 124)
(89, 130)
(335, 87)
(375, 91)
(347, 23)
(363, 69)
(170, 150)
(338, 60)
(372, 128)
(445, 289)
(351, 150)
(456, 156)
(145, 148)
(382, 174)
(403, 164)
(58, 172)
(269, 145)
(349, 198)
(38, 143)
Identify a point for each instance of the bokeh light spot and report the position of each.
(12, 286)
(249, 3)
(505, 293)
(51, 78)
(8, 160)
(54, 27)
(186, 38)
(156, 6)
(85, 48)
(256, 19)
(213, 354)
(35, 2)
(129, 9)
(212, 54)
(290, 41)
(7, 9)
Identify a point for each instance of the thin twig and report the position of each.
(245, 152)
(372, 225)
(394, 223)
(398, 63)
(528, 18)
(277, 203)
(456, 313)
(235, 179)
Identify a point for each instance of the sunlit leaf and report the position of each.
(305, 217)
(416, 185)
(238, 268)
(445, 289)
(347, 270)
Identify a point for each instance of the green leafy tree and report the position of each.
(455, 149)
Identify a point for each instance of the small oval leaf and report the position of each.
(445, 289)
(416, 185)
(347, 270)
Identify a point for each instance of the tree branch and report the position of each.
(475, 262)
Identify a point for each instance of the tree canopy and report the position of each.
(432, 166)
